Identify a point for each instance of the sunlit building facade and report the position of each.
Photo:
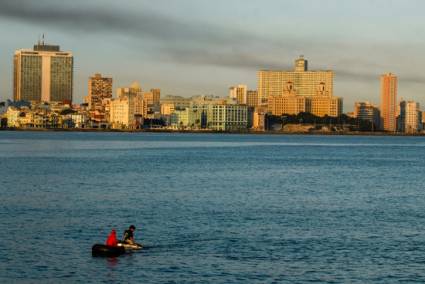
(301, 90)
(306, 82)
(252, 98)
(228, 117)
(389, 102)
(153, 97)
(367, 111)
(127, 108)
(238, 94)
(99, 88)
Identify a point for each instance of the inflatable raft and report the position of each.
(108, 251)
(114, 251)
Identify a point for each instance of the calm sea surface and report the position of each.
(213, 208)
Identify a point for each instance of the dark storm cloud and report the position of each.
(176, 39)
(140, 24)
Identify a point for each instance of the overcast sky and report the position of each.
(190, 47)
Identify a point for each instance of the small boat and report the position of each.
(108, 251)
(130, 247)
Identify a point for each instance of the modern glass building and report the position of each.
(43, 74)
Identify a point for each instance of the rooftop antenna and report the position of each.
(43, 39)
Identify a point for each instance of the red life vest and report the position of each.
(112, 239)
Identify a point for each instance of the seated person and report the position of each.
(129, 235)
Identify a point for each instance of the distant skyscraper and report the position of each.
(156, 96)
(238, 93)
(99, 88)
(43, 74)
(389, 101)
(410, 119)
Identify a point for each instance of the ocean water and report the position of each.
(212, 208)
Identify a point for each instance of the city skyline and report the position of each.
(168, 59)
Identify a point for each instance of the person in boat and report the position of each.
(129, 235)
(112, 239)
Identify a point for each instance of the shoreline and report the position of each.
(315, 133)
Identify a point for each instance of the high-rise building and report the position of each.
(128, 107)
(410, 118)
(43, 74)
(289, 102)
(252, 99)
(305, 82)
(389, 102)
(100, 88)
(291, 105)
(238, 94)
(326, 106)
(301, 90)
(156, 96)
(367, 111)
(153, 97)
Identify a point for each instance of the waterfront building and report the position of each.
(128, 108)
(156, 96)
(167, 108)
(252, 98)
(99, 88)
(367, 111)
(292, 105)
(301, 90)
(228, 117)
(238, 94)
(211, 113)
(259, 119)
(180, 118)
(305, 82)
(288, 102)
(423, 120)
(388, 102)
(43, 74)
(326, 106)
(410, 118)
(121, 113)
(153, 97)
(12, 115)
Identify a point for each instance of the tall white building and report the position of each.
(410, 118)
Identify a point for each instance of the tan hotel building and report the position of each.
(301, 90)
